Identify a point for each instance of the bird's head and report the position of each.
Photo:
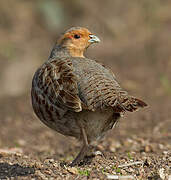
(76, 40)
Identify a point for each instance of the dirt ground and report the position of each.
(137, 51)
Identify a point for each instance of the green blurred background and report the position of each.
(135, 42)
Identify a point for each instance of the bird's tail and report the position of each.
(129, 103)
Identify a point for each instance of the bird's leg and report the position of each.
(83, 151)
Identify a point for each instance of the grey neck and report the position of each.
(59, 51)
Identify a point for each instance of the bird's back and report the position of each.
(97, 85)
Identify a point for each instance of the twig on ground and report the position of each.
(110, 176)
(130, 164)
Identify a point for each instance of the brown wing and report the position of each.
(58, 84)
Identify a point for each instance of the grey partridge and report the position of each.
(77, 96)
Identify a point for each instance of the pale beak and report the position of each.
(93, 39)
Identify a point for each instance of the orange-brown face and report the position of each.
(76, 40)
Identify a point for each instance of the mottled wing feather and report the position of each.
(58, 83)
(131, 104)
(98, 88)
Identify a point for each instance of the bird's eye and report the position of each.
(76, 36)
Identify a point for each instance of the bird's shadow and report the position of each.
(14, 170)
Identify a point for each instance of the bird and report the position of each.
(77, 96)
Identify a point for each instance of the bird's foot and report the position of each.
(80, 156)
